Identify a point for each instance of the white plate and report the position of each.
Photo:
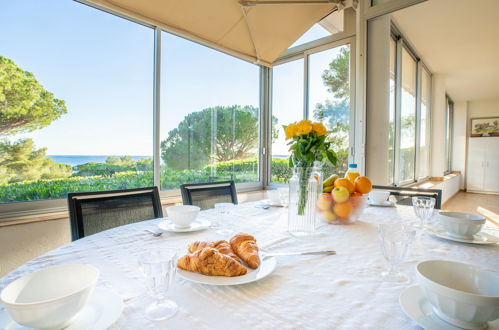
(199, 224)
(382, 204)
(101, 311)
(270, 203)
(417, 307)
(267, 266)
(480, 238)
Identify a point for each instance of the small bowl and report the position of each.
(460, 294)
(379, 196)
(182, 215)
(51, 297)
(461, 225)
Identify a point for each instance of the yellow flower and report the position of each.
(290, 130)
(304, 127)
(319, 129)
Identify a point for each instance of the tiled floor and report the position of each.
(486, 205)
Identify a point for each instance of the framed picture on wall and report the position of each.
(481, 127)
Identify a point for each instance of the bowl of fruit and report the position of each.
(343, 200)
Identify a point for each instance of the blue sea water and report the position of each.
(82, 159)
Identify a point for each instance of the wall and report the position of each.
(483, 108)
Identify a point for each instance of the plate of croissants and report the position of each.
(232, 262)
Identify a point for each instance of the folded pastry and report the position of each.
(244, 245)
(222, 246)
(209, 261)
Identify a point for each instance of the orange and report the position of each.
(343, 210)
(343, 182)
(356, 194)
(363, 185)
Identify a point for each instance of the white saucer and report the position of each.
(101, 311)
(480, 238)
(271, 203)
(199, 224)
(382, 204)
(417, 307)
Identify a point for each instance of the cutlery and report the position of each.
(155, 233)
(297, 253)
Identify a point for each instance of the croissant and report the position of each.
(244, 245)
(222, 246)
(210, 261)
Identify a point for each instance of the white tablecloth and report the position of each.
(318, 292)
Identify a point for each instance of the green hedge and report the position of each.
(245, 170)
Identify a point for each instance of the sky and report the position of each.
(102, 67)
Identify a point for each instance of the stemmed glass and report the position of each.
(423, 208)
(158, 267)
(221, 224)
(396, 241)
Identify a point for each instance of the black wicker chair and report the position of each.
(403, 196)
(93, 212)
(206, 195)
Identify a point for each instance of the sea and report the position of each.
(74, 160)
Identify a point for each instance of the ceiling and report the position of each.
(459, 39)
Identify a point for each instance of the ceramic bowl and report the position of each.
(379, 196)
(182, 215)
(461, 225)
(460, 294)
(51, 297)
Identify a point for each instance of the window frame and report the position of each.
(300, 52)
(402, 43)
(449, 132)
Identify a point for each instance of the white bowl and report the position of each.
(461, 225)
(51, 297)
(379, 196)
(182, 215)
(460, 294)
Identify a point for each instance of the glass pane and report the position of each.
(448, 133)
(287, 107)
(408, 117)
(424, 143)
(331, 24)
(91, 83)
(209, 115)
(391, 116)
(329, 98)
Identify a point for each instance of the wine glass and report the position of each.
(158, 267)
(221, 223)
(423, 208)
(396, 241)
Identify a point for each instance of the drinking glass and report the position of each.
(396, 241)
(158, 267)
(423, 208)
(223, 209)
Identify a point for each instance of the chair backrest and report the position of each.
(206, 195)
(93, 212)
(404, 196)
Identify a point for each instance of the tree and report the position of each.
(20, 161)
(213, 134)
(337, 76)
(24, 104)
(333, 112)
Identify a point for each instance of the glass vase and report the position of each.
(304, 189)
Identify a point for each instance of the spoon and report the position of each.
(155, 233)
(296, 253)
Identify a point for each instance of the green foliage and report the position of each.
(308, 148)
(24, 104)
(113, 165)
(337, 77)
(20, 161)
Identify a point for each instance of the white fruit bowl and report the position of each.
(182, 215)
(461, 225)
(51, 297)
(460, 294)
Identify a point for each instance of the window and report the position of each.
(449, 116)
(409, 115)
(330, 25)
(327, 96)
(407, 118)
(210, 115)
(287, 107)
(92, 83)
(425, 121)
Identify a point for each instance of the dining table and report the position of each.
(342, 291)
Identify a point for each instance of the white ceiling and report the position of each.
(459, 39)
